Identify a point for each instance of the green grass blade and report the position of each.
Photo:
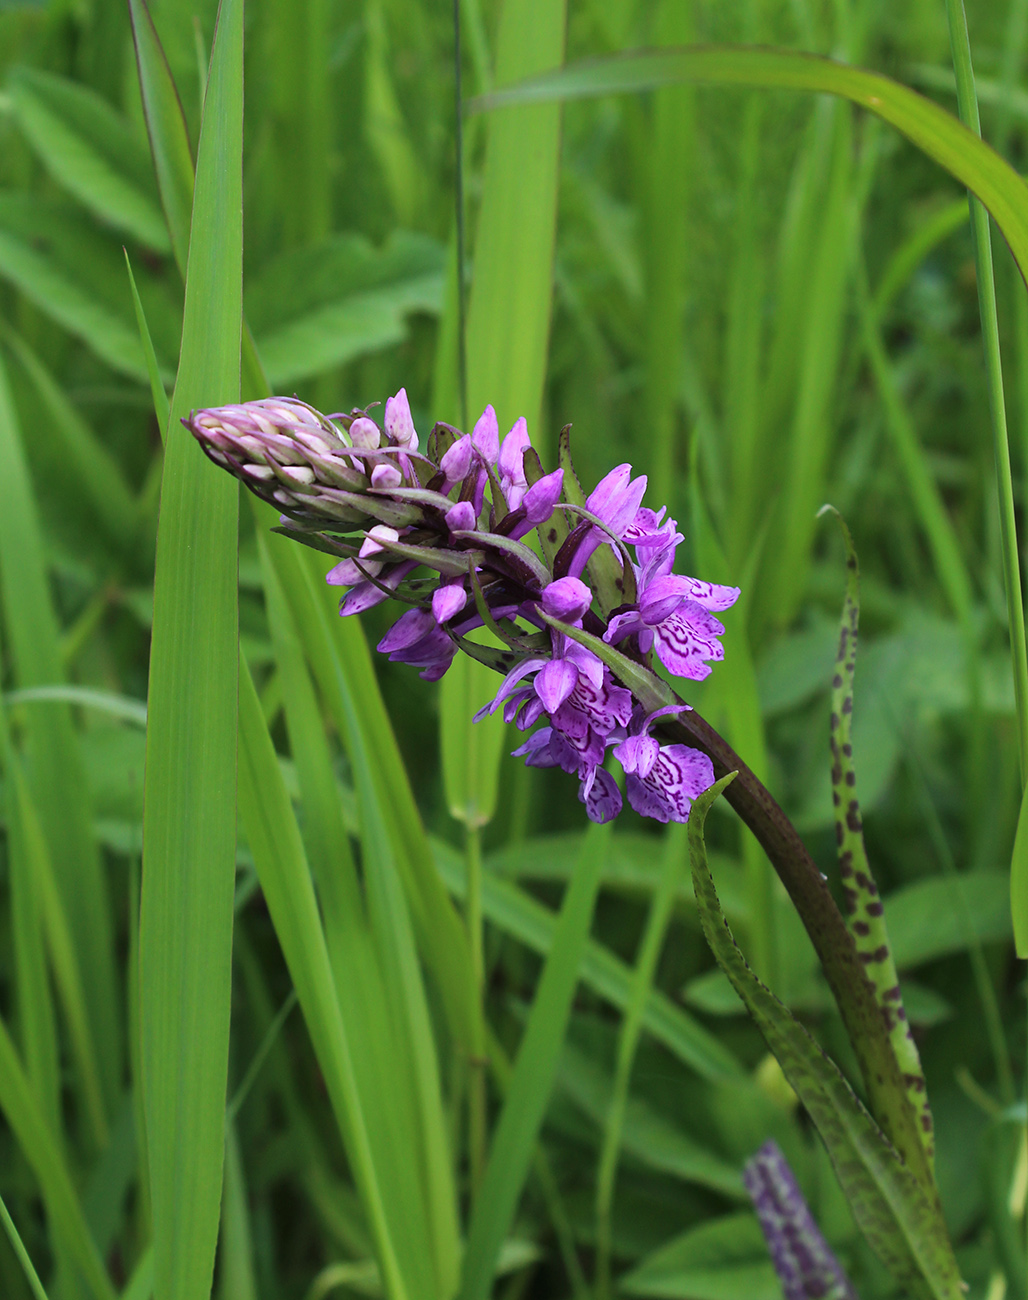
(521, 1118)
(57, 778)
(628, 1040)
(285, 878)
(666, 151)
(32, 981)
(518, 914)
(43, 1154)
(95, 472)
(399, 1033)
(189, 860)
(986, 278)
(23, 1255)
(937, 133)
(509, 303)
(235, 1254)
(166, 127)
(342, 667)
(925, 496)
(140, 1285)
(161, 405)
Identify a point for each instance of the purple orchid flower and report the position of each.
(463, 505)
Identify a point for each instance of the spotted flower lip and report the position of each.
(390, 507)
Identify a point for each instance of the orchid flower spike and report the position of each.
(579, 628)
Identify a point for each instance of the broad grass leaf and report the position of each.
(92, 151)
(318, 307)
(720, 1259)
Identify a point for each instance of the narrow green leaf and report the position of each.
(23, 1255)
(40, 1148)
(92, 470)
(189, 861)
(628, 1040)
(32, 980)
(57, 778)
(342, 668)
(166, 127)
(470, 750)
(235, 1248)
(899, 1214)
(161, 405)
(285, 878)
(1019, 881)
(938, 133)
(518, 914)
(985, 276)
(509, 304)
(69, 303)
(390, 1024)
(514, 1140)
(115, 706)
(90, 150)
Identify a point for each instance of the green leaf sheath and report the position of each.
(190, 783)
(937, 133)
(866, 913)
(899, 1215)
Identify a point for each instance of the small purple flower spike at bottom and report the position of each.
(802, 1258)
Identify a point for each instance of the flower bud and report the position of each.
(566, 599)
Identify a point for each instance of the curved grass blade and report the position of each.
(937, 133)
(900, 1217)
(866, 913)
(189, 810)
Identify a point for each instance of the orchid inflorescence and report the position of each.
(599, 591)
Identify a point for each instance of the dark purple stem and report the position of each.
(829, 933)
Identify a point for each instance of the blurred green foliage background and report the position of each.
(763, 301)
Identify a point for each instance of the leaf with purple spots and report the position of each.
(863, 902)
(898, 1213)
